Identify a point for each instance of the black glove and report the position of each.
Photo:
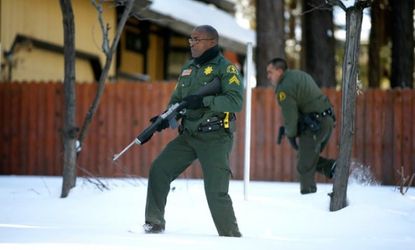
(281, 133)
(293, 142)
(193, 101)
(163, 125)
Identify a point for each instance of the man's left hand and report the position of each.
(293, 142)
(193, 101)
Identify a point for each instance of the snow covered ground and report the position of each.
(276, 216)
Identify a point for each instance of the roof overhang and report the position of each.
(183, 15)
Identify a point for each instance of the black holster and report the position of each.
(215, 123)
(309, 121)
(312, 120)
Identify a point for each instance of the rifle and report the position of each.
(211, 88)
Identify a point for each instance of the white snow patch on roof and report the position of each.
(196, 13)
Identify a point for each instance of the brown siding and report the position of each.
(31, 121)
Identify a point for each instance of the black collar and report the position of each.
(207, 56)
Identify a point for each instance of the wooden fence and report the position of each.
(31, 119)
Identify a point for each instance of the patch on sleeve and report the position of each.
(234, 80)
(281, 96)
(232, 69)
(186, 72)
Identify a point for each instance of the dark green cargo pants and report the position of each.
(309, 159)
(213, 150)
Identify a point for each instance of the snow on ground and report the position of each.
(276, 216)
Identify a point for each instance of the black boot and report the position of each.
(234, 233)
(150, 228)
(308, 190)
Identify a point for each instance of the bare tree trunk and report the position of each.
(109, 52)
(402, 43)
(70, 130)
(318, 42)
(354, 16)
(375, 45)
(270, 36)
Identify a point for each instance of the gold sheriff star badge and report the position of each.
(208, 70)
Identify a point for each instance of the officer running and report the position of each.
(205, 133)
(308, 116)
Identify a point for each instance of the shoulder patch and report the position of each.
(186, 72)
(234, 80)
(281, 96)
(232, 69)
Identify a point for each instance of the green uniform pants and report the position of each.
(213, 150)
(309, 159)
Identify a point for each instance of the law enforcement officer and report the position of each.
(205, 133)
(308, 118)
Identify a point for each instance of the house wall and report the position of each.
(133, 62)
(42, 20)
(149, 63)
(50, 68)
(156, 57)
(161, 57)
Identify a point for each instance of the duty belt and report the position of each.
(214, 123)
(327, 112)
(312, 120)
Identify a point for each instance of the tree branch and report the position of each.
(101, 84)
(315, 7)
(104, 28)
(94, 180)
(121, 25)
(338, 3)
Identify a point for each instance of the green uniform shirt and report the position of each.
(194, 76)
(297, 93)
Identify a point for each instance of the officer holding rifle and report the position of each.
(205, 133)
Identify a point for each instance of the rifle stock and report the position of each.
(211, 88)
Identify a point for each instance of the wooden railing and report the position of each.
(31, 119)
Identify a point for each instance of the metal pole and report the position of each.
(248, 97)
(116, 156)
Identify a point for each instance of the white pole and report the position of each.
(248, 97)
